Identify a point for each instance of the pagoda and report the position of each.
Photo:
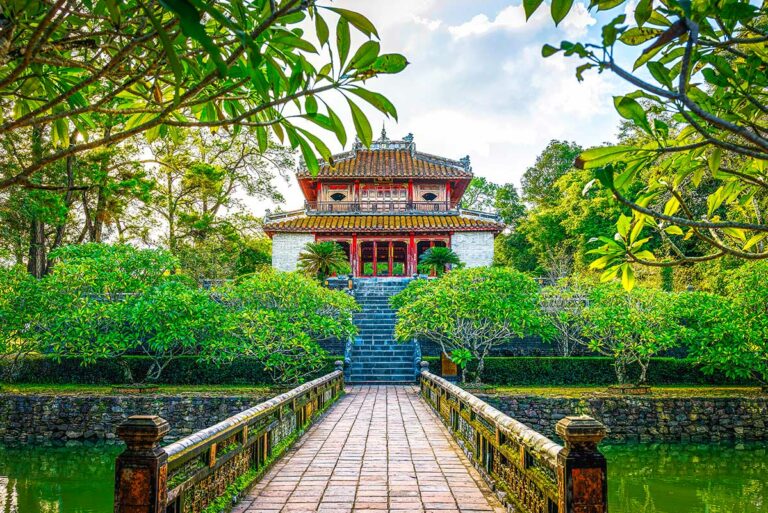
(385, 205)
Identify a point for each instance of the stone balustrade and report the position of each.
(532, 473)
(188, 475)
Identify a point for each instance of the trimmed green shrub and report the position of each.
(575, 371)
(182, 371)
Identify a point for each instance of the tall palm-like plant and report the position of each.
(435, 259)
(322, 259)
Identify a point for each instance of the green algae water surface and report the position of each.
(643, 478)
(75, 478)
(687, 478)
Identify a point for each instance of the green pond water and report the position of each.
(681, 478)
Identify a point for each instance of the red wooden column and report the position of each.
(375, 256)
(410, 193)
(390, 255)
(354, 257)
(412, 264)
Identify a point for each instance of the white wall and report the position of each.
(286, 248)
(475, 249)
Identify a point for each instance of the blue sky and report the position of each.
(477, 84)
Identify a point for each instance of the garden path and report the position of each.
(379, 449)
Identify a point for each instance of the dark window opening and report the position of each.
(337, 196)
(430, 196)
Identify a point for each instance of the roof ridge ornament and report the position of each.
(465, 162)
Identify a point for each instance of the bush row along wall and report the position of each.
(514, 371)
(42, 418)
(646, 419)
(545, 371)
(184, 371)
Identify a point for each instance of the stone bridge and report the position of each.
(430, 447)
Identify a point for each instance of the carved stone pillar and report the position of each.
(581, 467)
(141, 471)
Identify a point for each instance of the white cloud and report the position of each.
(578, 21)
(510, 18)
(431, 25)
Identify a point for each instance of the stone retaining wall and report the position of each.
(692, 419)
(38, 418)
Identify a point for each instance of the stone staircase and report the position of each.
(375, 356)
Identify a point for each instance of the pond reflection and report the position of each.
(687, 478)
(57, 479)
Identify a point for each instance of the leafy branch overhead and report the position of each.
(91, 74)
(701, 116)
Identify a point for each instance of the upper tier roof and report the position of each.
(391, 159)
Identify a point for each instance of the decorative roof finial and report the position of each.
(383, 133)
(408, 138)
(465, 162)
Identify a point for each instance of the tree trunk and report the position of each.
(621, 370)
(37, 261)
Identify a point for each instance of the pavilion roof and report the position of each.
(391, 159)
(381, 223)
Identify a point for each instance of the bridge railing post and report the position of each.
(581, 467)
(141, 470)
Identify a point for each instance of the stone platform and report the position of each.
(380, 448)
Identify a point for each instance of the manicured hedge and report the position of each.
(184, 371)
(544, 371)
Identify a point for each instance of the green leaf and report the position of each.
(660, 73)
(560, 9)
(359, 21)
(627, 277)
(754, 240)
(343, 41)
(362, 125)
(629, 108)
(672, 206)
(673, 230)
(310, 105)
(379, 101)
(365, 55)
(189, 19)
(623, 224)
(714, 160)
(321, 29)
(390, 63)
(309, 156)
(530, 7)
(548, 50)
(643, 12)
(638, 35)
(597, 157)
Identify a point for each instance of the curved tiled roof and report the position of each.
(381, 223)
(391, 159)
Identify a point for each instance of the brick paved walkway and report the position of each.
(378, 449)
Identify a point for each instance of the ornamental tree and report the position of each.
(722, 337)
(323, 259)
(436, 259)
(85, 75)
(563, 305)
(631, 327)
(700, 105)
(21, 314)
(279, 317)
(475, 309)
(106, 301)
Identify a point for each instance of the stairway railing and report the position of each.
(534, 474)
(190, 474)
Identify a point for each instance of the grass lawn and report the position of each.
(665, 391)
(174, 390)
